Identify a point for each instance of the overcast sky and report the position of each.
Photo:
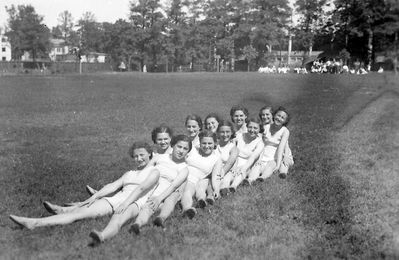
(104, 10)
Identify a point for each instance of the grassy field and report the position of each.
(60, 133)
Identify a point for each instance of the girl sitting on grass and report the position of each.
(212, 122)
(202, 162)
(250, 146)
(266, 115)
(134, 184)
(228, 151)
(239, 116)
(193, 125)
(275, 138)
(173, 173)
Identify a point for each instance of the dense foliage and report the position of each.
(183, 32)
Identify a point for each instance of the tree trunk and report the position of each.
(395, 61)
(369, 48)
(248, 66)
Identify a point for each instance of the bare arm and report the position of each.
(281, 147)
(216, 171)
(230, 161)
(258, 150)
(104, 191)
(145, 186)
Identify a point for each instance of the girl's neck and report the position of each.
(223, 143)
(162, 151)
(274, 127)
(202, 153)
(248, 138)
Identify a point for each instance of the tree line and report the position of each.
(196, 31)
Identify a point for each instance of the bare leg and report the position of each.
(254, 173)
(200, 189)
(268, 169)
(98, 208)
(187, 198)
(169, 205)
(227, 180)
(118, 220)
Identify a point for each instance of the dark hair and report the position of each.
(138, 145)
(236, 108)
(229, 124)
(283, 109)
(195, 118)
(264, 108)
(208, 133)
(161, 129)
(212, 115)
(183, 138)
(257, 121)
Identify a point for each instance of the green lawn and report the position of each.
(60, 133)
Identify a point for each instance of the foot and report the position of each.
(232, 189)
(90, 190)
(246, 182)
(282, 175)
(260, 179)
(135, 228)
(51, 208)
(158, 221)
(22, 222)
(190, 213)
(97, 237)
(210, 201)
(224, 192)
(201, 204)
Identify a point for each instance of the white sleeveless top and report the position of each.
(224, 152)
(245, 150)
(168, 169)
(199, 167)
(271, 143)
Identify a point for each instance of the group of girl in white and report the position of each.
(205, 164)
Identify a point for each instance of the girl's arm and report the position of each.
(281, 148)
(258, 150)
(145, 186)
(230, 161)
(216, 171)
(181, 177)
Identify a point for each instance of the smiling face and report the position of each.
(239, 117)
(225, 133)
(211, 124)
(280, 118)
(253, 129)
(163, 141)
(141, 157)
(266, 116)
(180, 150)
(192, 128)
(207, 144)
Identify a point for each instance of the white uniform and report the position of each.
(224, 151)
(245, 150)
(131, 180)
(271, 144)
(168, 171)
(199, 167)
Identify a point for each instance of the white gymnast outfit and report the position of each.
(224, 152)
(131, 180)
(168, 171)
(272, 142)
(245, 150)
(199, 167)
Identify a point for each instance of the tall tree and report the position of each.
(27, 32)
(90, 33)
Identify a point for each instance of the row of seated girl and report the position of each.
(205, 164)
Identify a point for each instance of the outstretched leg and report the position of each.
(268, 169)
(98, 208)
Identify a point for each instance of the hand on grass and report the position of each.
(121, 208)
(154, 202)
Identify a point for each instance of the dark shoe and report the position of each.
(246, 182)
(224, 192)
(201, 204)
(210, 201)
(260, 179)
(135, 228)
(158, 221)
(49, 207)
(190, 213)
(282, 175)
(97, 238)
(90, 190)
(232, 189)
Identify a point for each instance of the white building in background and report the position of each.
(59, 50)
(5, 48)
